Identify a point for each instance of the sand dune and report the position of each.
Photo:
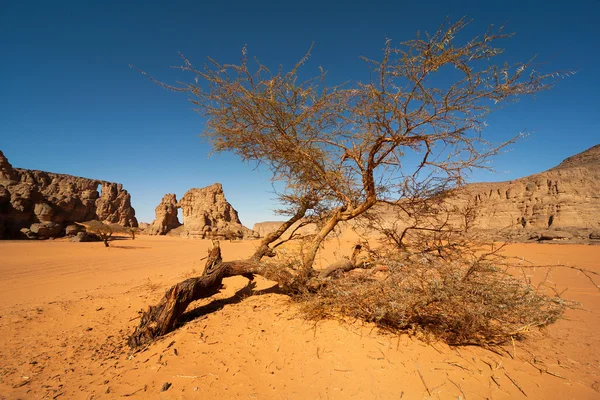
(66, 309)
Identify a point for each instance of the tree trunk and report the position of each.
(264, 249)
(309, 258)
(341, 214)
(162, 318)
(343, 265)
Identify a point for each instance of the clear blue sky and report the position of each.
(69, 103)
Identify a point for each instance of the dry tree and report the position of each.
(405, 136)
(101, 230)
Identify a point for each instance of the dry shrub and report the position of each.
(478, 303)
(433, 276)
(489, 306)
(437, 280)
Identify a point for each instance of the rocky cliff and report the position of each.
(266, 227)
(566, 197)
(42, 204)
(563, 202)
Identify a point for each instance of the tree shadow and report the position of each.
(129, 247)
(217, 305)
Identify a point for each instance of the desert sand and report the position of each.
(67, 308)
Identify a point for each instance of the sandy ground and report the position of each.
(66, 309)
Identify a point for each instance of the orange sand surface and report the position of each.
(67, 308)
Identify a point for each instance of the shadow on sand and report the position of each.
(128, 247)
(216, 305)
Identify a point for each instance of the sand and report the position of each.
(67, 308)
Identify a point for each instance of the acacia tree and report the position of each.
(339, 150)
(103, 231)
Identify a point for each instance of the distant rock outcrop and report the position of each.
(166, 216)
(566, 197)
(114, 205)
(6, 170)
(562, 203)
(206, 214)
(264, 228)
(44, 203)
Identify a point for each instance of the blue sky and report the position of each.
(69, 102)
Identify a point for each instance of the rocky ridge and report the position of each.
(562, 203)
(566, 197)
(42, 204)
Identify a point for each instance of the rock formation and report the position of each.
(166, 216)
(41, 204)
(206, 214)
(562, 203)
(6, 170)
(114, 205)
(566, 197)
(266, 227)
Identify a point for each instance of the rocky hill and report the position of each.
(562, 202)
(206, 214)
(566, 197)
(42, 204)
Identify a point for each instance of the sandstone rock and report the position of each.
(179, 231)
(554, 235)
(46, 230)
(564, 197)
(5, 208)
(595, 235)
(114, 205)
(27, 232)
(166, 216)
(43, 212)
(207, 214)
(7, 173)
(534, 236)
(85, 237)
(30, 196)
(4, 197)
(264, 228)
(143, 225)
(73, 230)
(588, 159)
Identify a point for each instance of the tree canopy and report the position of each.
(403, 134)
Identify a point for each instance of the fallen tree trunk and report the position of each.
(162, 318)
(343, 265)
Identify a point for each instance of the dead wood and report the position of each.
(344, 265)
(341, 265)
(162, 318)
